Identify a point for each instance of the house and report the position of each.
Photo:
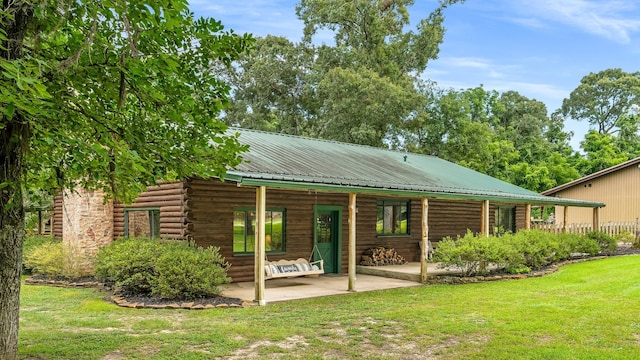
(315, 198)
(617, 186)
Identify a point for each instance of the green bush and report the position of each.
(31, 242)
(517, 253)
(607, 243)
(471, 254)
(46, 259)
(53, 259)
(166, 269)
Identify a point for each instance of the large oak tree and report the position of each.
(109, 95)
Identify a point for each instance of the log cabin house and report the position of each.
(315, 198)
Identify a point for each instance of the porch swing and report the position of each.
(294, 268)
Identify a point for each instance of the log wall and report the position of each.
(171, 199)
(56, 224)
(210, 219)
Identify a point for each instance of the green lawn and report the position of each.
(589, 310)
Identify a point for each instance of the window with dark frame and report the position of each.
(393, 217)
(142, 223)
(244, 231)
(505, 220)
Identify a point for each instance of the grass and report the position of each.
(584, 311)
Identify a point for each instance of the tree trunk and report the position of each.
(11, 235)
(14, 143)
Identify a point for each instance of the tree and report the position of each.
(360, 89)
(603, 98)
(271, 87)
(103, 95)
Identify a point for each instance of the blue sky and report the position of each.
(540, 48)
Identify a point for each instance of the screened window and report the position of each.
(393, 217)
(244, 231)
(505, 220)
(142, 223)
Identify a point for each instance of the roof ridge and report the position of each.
(330, 141)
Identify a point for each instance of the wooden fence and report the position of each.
(611, 228)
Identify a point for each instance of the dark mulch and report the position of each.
(90, 281)
(627, 249)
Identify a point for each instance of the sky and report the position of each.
(539, 48)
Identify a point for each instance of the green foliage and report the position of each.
(608, 244)
(516, 253)
(53, 259)
(45, 259)
(625, 237)
(471, 254)
(604, 98)
(31, 242)
(188, 272)
(166, 269)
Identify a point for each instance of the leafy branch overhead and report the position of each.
(110, 95)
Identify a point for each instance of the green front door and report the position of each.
(327, 236)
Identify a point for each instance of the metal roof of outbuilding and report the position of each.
(294, 162)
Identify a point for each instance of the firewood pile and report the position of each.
(379, 256)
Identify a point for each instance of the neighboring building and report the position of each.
(340, 198)
(618, 187)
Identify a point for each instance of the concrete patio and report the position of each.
(369, 278)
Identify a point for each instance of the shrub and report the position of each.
(538, 248)
(625, 237)
(45, 259)
(607, 243)
(31, 242)
(53, 259)
(166, 269)
(471, 254)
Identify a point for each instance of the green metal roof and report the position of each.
(293, 162)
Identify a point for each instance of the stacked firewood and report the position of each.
(380, 255)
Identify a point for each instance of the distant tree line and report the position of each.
(368, 88)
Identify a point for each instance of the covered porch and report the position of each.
(369, 278)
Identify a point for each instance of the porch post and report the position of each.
(527, 216)
(484, 226)
(596, 219)
(261, 194)
(424, 245)
(566, 219)
(352, 242)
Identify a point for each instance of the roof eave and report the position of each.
(512, 199)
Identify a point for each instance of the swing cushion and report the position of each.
(291, 268)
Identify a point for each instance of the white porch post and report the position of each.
(424, 246)
(484, 226)
(261, 195)
(527, 216)
(352, 242)
(565, 219)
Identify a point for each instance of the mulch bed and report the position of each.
(139, 301)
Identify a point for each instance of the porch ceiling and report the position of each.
(291, 162)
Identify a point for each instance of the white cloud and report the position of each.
(612, 19)
(466, 62)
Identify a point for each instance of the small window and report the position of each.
(142, 223)
(244, 231)
(393, 217)
(505, 220)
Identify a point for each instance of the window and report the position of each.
(244, 231)
(142, 223)
(505, 220)
(393, 217)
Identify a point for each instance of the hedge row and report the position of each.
(517, 253)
